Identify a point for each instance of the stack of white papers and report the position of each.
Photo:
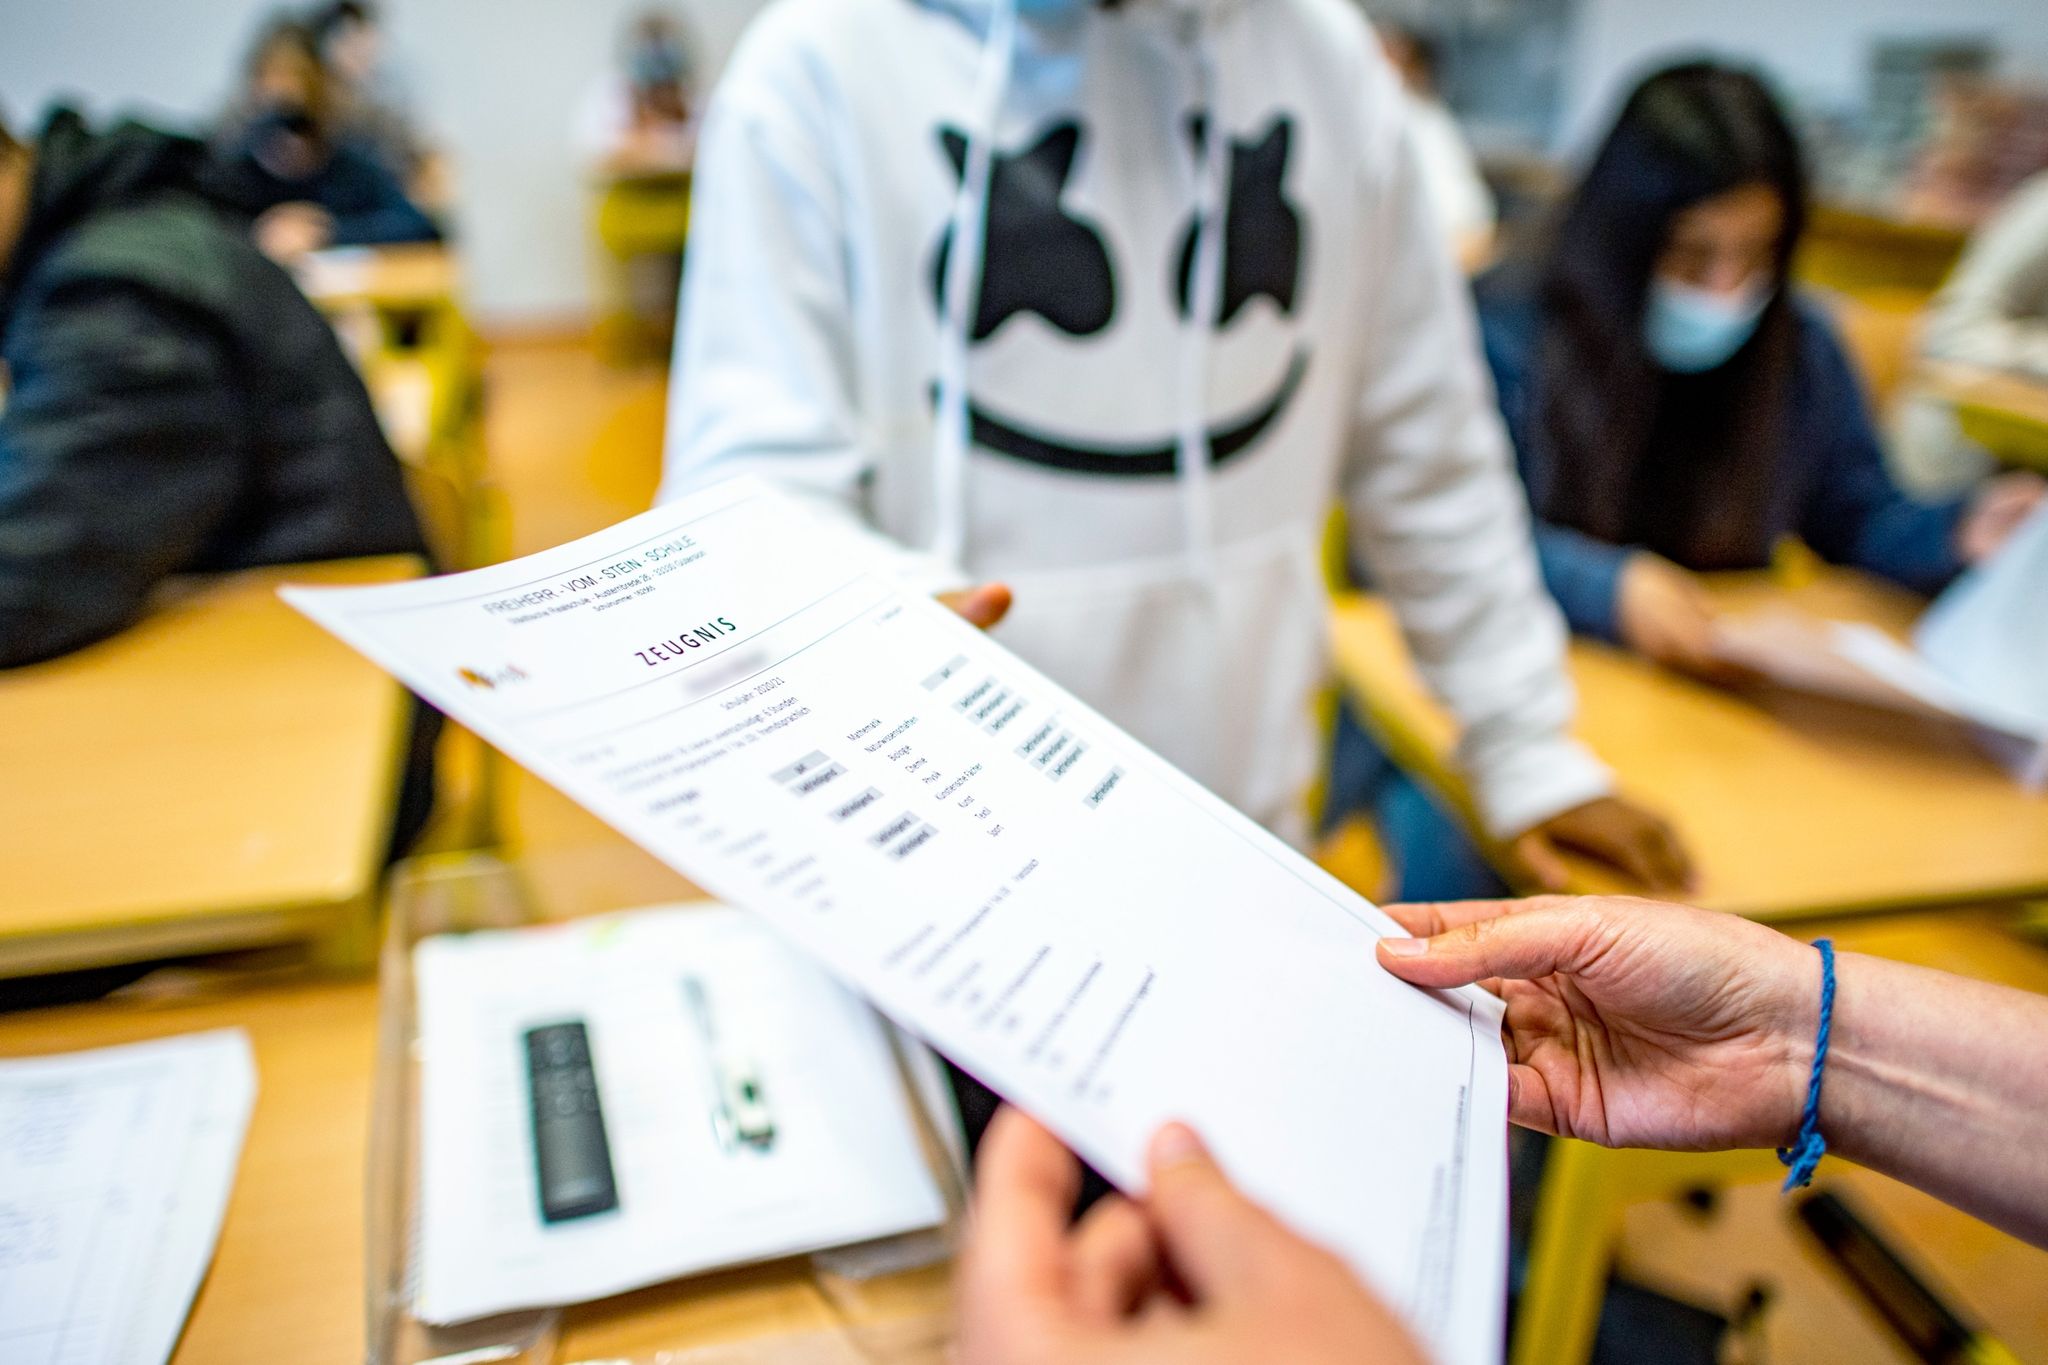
(1979, 655)
(683, 1008)
(115, 1168)
(743, 685)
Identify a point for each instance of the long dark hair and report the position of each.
(1686, 134)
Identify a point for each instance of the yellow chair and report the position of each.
(644, 215)
(1880, 329)
(638, 220)
(1352, 853)
(422, 364)
(1851, 251)
(466, 525)
(1586, 1190)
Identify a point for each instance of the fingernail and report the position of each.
(1176, 1143)
(1404, 947)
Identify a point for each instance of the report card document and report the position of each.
(745, 686)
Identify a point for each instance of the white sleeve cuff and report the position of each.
(1520, 789)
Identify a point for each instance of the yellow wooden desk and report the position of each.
(1852, 249)
(288, 1278)
(221, 774)
(416, 276)
(2005, 413)
(286, 1282)
(1793, 807)
(397, 312)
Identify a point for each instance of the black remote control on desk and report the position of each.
(572, 1160)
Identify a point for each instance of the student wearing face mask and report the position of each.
(1676, 407)
(373, 108)
(642, 118)
(281, 159)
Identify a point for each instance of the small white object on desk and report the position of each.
(115, 1169)
(683, 1008)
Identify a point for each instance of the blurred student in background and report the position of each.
(1991, 312)
(1677, 408)
(372, 108)
(1457, 193)
(284, 160)
(176, 405)
(641, 119)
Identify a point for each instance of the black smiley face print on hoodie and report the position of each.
(1041, 258)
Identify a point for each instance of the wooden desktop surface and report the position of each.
(288, 1279)
(1793, 807)
(222, 771)
(417, 275)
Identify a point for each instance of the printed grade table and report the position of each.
(903, 785)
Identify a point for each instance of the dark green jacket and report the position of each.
(175, 405)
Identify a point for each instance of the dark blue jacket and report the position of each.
(368, 205)
(1832, 489)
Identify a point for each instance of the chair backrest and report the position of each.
(443, 512)
(1880, 327)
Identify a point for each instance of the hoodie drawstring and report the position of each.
(1191, 436)
(961, 291)
(961, 288)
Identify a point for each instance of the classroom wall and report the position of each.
(498, 82)
(1815, 49)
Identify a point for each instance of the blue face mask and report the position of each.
(652, 64)
(1690, 330)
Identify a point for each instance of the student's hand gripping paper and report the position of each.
(1194, 1274)
(1632, 1023)
(1663, 613)
(1995, 512)
(287, 232)
(1611, 830)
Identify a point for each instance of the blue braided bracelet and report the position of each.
(1807, 1149)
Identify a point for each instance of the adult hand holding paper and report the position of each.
(744, 688)
(1036, 1291)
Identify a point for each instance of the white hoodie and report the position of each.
(1185, 599)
